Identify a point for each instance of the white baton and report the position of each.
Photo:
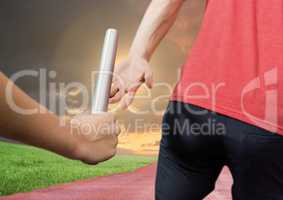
(105, 75)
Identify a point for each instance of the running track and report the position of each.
(136, 185)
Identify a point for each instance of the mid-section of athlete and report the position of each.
(232, 80)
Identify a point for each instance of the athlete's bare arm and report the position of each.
(135, 70)
(44, 129)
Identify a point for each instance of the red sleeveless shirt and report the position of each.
(236, 65)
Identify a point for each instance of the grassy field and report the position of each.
(24, 168)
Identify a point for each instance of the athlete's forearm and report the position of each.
(38, 129)
(158, 19)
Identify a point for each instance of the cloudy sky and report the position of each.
(67, 35)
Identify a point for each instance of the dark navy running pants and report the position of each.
(196, 145)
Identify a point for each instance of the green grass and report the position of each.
(24, 168)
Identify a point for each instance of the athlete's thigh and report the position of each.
(257, 164)
(175, 181)
(188, 164)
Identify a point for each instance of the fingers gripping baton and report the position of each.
(105, 75)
